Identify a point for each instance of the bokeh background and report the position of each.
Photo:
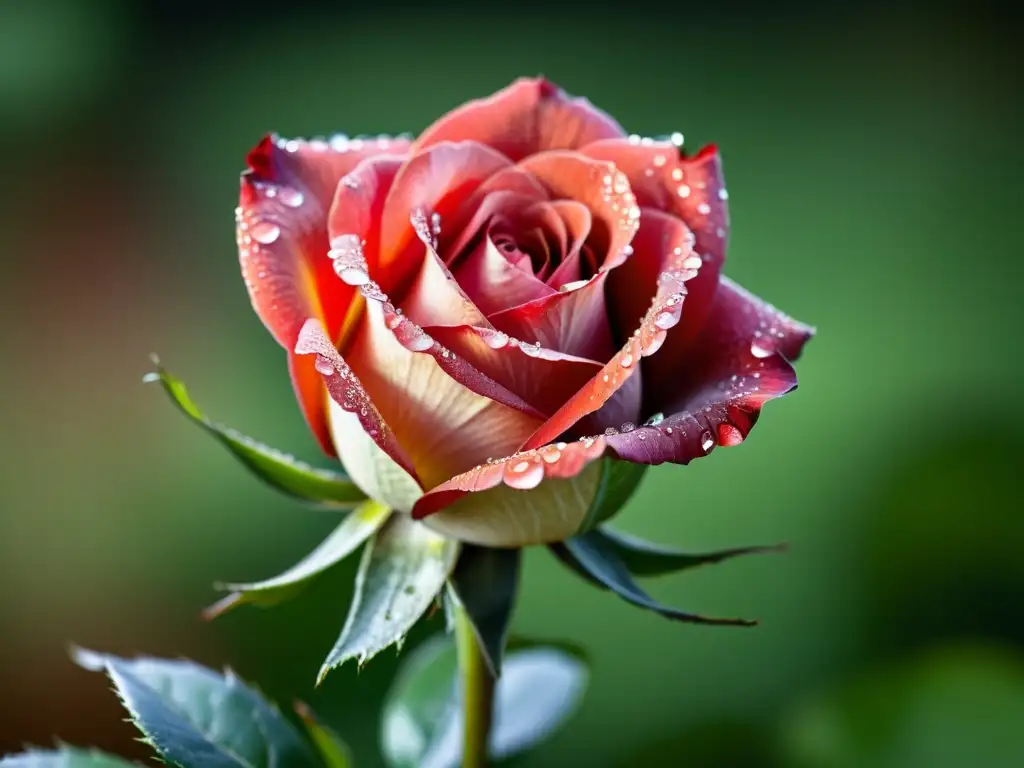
(873, 156)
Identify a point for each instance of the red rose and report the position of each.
(478, 320)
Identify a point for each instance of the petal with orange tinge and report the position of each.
(602, 189)
(365, 442)
(533, 497)
(437, 298)
(529, 116)
(437, 183)
(447, 414)
(690, 188)
(494, 283)
(282, 238)
(542, 377)
(741, 359)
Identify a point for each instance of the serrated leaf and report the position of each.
(197, 718)
(619, 479)
(485, 582)
(332, 747)
(350, 534)
(595, 556)
(287, 474)
(645, 558)
(541, 686)
(64, 757)
(404, 566)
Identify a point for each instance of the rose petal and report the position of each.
(347, 391)
(542, 377)
(282, 239)
(571, 321)
(446, 412)
(533, 497)
(578, 222)
(529, 116)
(494, 283)
(437, 183)
(691, 188)
(662, 315)
(601, 188)
(739, 361)
(437, 298)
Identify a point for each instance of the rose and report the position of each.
(477, 320)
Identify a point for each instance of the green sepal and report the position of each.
(333, 749)
(404, 567)
(645, 558)
(319, 487)
(358, 526)
(595, 557)
(619, 480)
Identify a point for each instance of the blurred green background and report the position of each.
(873, 160)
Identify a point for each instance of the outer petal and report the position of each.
(531, 115)
(446, 413)
(282, 239)
(542, 377)
(691, 188)
(436, 184)
(662, 315)
(365, 442)
(713, 397)
(532, 497)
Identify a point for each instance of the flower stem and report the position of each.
(477, 692)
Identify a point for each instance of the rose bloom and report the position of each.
(477, 320)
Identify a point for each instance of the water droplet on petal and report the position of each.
(654, 342)
(626, 360)
(550, 454)
(265, 232)
(759, 348)
(525, 474)
(692, 262)
(324, 366)
(655, 420)
(704, 209)
(610, 431)
(684, 190)
(533, 350)
(293, 198)
(707, 442)
(676, 138)
(420, 342)
(496, 340)
(629, 426)
(665, 320)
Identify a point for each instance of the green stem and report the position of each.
(477, 692)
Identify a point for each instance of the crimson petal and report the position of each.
(529, 116)
(691, 188)
(740, 360)
(282, 238)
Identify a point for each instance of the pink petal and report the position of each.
(282, 238)
(601, 188)
(436, 298)
(578, 222)
(542, 377)
(494, 283)
(532, 497)
(529, 116)
(437, 183)
(740, 360)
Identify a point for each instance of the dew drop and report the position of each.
(629, 426)
(293, 198)
(692, 262)
(759, 349)
(324, 366)
(723, 194)
(684, 190)
(665, 320)
(550, 454)
(676, 138)
(655, 420)
(420, 342)
(704, 209)
(496, 340)
(626, 360)
(265, 232)
(611, 431)
(707, 442)
(524, 475)
(533, 350)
